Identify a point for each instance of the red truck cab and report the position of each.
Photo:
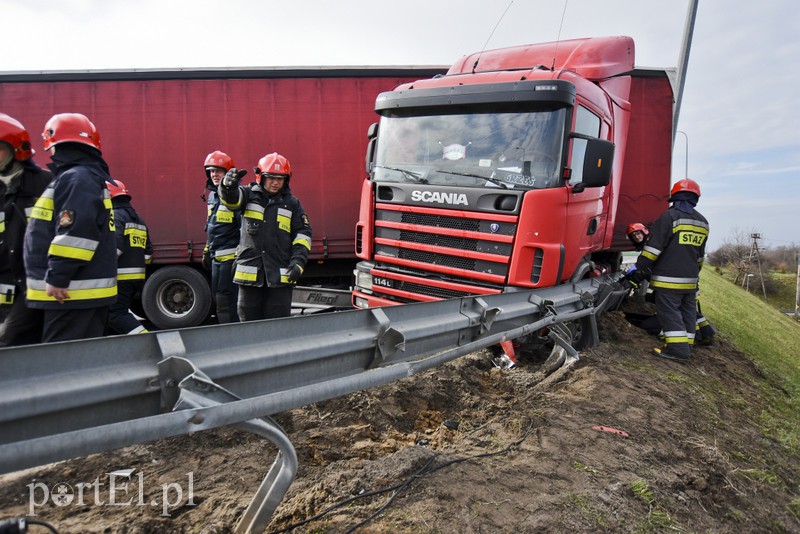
(520, 168)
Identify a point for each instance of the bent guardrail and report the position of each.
(64, 400)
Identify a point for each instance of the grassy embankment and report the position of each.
(770, 338)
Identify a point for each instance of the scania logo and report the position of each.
(440, 197)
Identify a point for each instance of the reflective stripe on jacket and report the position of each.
(70, 240)
(16, 204)
(134, 249)
(223, 226)
(675, 250)
(276, 234)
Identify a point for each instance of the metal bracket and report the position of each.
(479, 314)
(587, 299)
(547, 307)
(389, 339)
(198, 391)
(173, 368)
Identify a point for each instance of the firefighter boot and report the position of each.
(669, 353)
(705, 335)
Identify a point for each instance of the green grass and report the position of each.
(771, 339)
(786, 290)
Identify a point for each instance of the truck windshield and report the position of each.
(519, 150)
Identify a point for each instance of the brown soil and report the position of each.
(471, 448)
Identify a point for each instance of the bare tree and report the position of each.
(733, 251)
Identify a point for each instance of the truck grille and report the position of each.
(465, 250)
(439, 292)
(441, 221)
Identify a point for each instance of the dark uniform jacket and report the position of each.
(134, 249)
(222, 226)
(16, 202)
(275, 235)
(675, 250)
(70, 240)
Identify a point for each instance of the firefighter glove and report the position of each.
(627, 284)
(637, 277)
(293, 273)
(206, 261)
(232, 178)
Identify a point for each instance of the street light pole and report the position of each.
(686, 175)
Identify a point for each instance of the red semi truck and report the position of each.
(157, 126)
(520, 168)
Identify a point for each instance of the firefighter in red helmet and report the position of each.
(671, 259)
(70, 244)
(21, 182)
(222, 229)
(637, 234)
(275, 238)
(134, 252)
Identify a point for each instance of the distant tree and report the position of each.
(783, 258)
(733, 251)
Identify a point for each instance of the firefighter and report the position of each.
(275, 238)
(638, 234)
(70, 245)
(21, 182)
(671, 259)
(222, 227)
(134, 252)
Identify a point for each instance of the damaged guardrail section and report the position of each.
(64, 400)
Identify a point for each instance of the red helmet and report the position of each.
(117, 188)
(15, 134)
(685, 185)
(70, 127)
(637, 227)
(218, 159)
(274, 164)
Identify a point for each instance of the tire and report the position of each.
(581, 330)
(176, 297)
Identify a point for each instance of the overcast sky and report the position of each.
(740, 110)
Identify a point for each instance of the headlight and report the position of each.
(363, 280)
(361, 303)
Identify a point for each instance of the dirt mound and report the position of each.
(621, 442)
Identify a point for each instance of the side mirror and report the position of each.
(372, 135)
(597, 162)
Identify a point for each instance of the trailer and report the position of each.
(157, 126)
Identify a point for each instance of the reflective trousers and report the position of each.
(677, 313)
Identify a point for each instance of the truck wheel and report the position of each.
(581, 330)
(176, 297)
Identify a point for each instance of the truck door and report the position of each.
(587, 207)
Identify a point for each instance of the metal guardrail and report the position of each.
(69, 399)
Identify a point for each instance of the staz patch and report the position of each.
(66, 218)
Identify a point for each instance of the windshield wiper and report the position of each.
(487, 178)
(415, 176)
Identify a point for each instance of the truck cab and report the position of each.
(507, 172)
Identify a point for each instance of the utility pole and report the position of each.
(746, 264)
(797, 294)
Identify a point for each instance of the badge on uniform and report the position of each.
(305, 220)
(66, 218)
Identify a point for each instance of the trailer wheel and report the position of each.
(176, 297)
